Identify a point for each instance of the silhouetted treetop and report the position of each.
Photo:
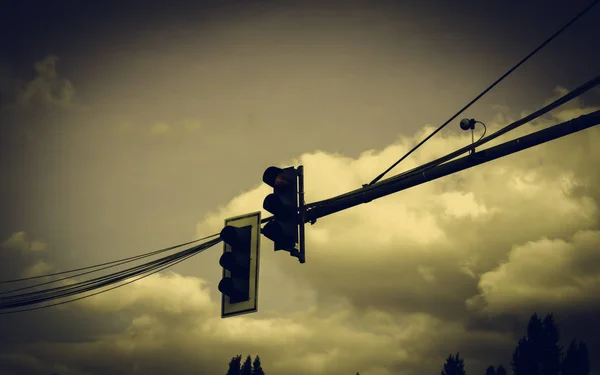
(257, 367)
(454, 366)
(234, 365)
(538, 353)
(247, 366)
(576, 361)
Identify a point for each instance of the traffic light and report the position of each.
(239, 286)
(286, 203)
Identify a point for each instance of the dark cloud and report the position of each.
(47, 89)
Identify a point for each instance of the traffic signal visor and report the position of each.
(280, 179)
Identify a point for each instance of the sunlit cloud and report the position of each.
(38, 269)
(160, 128)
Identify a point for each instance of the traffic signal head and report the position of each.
(283, 204)
(239, 286)
(237, 262)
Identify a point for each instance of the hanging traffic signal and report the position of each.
(239, 286)
(286, 228)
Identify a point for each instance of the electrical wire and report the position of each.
(75, 288)
(532, 116)
(484, 131)
(562, 29)
(424, 167)
(64, 290)
(158, 266)
(138, 268)
(206, 246)
(124, 260)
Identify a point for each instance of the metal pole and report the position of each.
(392, 185)
(302, 255)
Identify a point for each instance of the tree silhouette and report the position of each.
(234, 365)
(552, 352)
(247, 366)
(256, 367)
(454, 366)
(576, 361)
(538, 353)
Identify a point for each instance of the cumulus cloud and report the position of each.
(20, 241)
(573, 108)
(178, 295)
(160, 128)
(175, 325)
(38, 269)
(395, 282)
(375, 254)
(503, 238)
(551, 272)
(48, 89)
(22, 257)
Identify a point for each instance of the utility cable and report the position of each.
(22, 300)
(207, 245)
(25, 301)
(422, 168)
(484, 131)
(65, 290)
(558, 102)
(473, 133)
(121, 262)
(587, 9)
(136, 257)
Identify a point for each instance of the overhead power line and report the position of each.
(141, 271)
(69, 289)
(422, 168)
(391, 186)
(114, 264)
(562, 29)
(77, 287)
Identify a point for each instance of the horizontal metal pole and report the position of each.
(384, 188)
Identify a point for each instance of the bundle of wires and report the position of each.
(11, 301)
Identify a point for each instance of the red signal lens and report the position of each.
(281, 181)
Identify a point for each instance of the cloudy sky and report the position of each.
(129, 127)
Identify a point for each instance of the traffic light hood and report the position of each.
(278, 178)
(234, 236)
